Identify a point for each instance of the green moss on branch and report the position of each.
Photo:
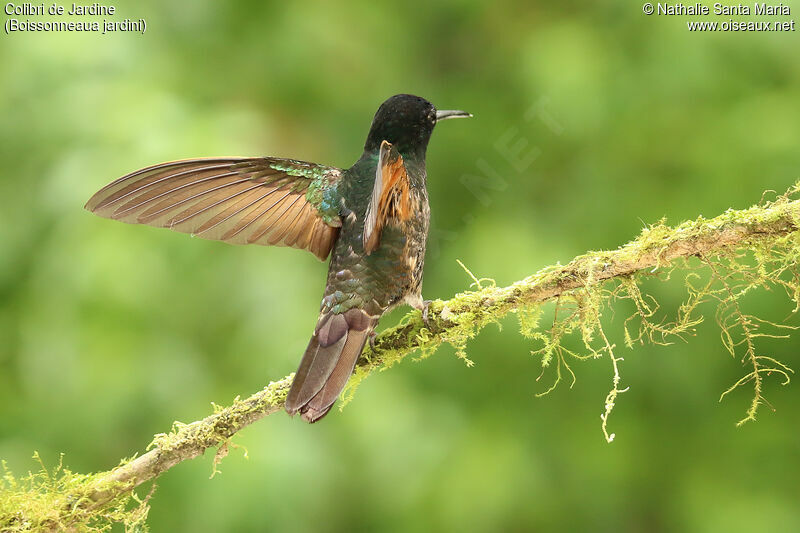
(738, 251)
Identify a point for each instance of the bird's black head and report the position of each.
(407, 122)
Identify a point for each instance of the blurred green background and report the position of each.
(109, 332)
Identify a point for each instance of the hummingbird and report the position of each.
(372, 219)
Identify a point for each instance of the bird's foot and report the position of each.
(371, 340)
(425, 305)
(421, 305)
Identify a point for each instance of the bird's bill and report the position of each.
(444, 114)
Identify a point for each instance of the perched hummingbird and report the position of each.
(372, 218)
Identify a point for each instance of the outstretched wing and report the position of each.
(261, 200)
(390, 195)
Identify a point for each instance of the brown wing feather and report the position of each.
(236, 200)
(390, 196)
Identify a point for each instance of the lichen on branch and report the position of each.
(721, 260)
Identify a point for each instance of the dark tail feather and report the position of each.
(328, 363)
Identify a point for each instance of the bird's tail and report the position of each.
(328, 362)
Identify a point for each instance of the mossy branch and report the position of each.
(742, 250)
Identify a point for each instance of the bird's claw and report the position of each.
(371, 340)
(425, 305)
